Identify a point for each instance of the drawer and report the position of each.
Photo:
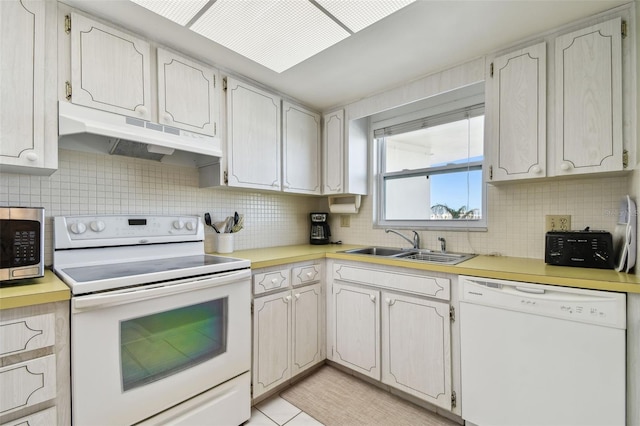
(306, 274)
(415, 283)
(268, 281)
(26, 334)
(27, 383)
(46, 417)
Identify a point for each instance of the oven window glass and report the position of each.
(164, 343)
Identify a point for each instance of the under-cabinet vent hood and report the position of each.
(87, 129)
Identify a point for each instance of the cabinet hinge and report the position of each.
(214, 81)
(452, 313)
(67, 90)
(252, 308)
(623, 30)
(454, 400)
(491, 70)
(490, 172)
(67, 24)
(226, 177)
(224, 83)
(625, 159)
(215, 129)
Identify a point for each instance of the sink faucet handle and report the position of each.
(416, 240)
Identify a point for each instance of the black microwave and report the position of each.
(21, 243)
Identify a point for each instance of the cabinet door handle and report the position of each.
(372, 297)
(167, 118)
(297, 296)
(287, 299)
(141, 110)
(32, 156)
(565, 166)
(536, 169)
(389, 301)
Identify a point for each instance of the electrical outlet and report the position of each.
(557, 222)
(345, 220)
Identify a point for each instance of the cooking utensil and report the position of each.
(207, 220)
(238, 224)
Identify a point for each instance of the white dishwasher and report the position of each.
(538, 355)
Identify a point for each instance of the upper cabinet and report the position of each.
(300, 150)
(110, 69)
(562, 114)
(253, 137)
(187, 96)
(516, 109)
(589, 100)
(28, 123)
(344, 155)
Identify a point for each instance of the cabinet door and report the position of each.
(307, 328)
(300, 150)
(416, 347)
(27, 383)
(253, 137)
(271, 341)
(109, 69)
(356, 331)
(589, 100)
(516, 112)
(187, 95)
(26, 36)
(333, 153)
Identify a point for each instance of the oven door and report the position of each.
(137, 352)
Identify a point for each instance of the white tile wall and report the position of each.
(515, 217)
(101, 184)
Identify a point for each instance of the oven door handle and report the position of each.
(121, 297)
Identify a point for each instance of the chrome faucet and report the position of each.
(443, 244)
(416, 237)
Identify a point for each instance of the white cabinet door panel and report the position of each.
(110, 69)
(356, 331)
(28, 333)
(589, 100)
(307, 320)
(300, 150)
(333, 153)
(187, 96)
(27, 383)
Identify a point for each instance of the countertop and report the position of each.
(33, 291)
(500, 267)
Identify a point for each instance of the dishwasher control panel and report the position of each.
(588, 306)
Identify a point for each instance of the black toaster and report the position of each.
(587, 249)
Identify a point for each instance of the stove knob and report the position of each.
(191, 226)
(78, 228)
(97, 226)
(178, 224)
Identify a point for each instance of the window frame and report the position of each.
(433, 114)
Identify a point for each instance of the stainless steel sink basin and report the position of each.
(380, 251)
(441, 258)
(413, 254)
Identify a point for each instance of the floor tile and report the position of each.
(278, 410)
(303, 419)
(259, 419)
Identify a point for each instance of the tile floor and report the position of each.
(277, 411)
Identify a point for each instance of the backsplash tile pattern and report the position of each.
(516, 217)
(99, 184)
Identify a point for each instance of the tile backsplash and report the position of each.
(100, 184)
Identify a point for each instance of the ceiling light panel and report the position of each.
(180, 11)
(275, 33)
(359, 14)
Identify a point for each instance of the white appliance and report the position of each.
(541, 355)
(160, 331)
(625, 235)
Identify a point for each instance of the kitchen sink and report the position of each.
(413, 254)
(380, 251)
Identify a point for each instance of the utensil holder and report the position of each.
(224, 243)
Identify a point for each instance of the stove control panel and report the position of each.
(86, 230)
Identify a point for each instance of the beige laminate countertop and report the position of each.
(500, 267)
(33, 291)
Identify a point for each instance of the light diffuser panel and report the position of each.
(180, 11)
(359, 14)
(277, 34)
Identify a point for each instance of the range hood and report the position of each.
(87, 129)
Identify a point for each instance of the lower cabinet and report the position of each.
(394, 327)
(288, 331)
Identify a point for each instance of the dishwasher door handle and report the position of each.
(530, 290)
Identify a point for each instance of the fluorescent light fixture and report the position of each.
(277, 34)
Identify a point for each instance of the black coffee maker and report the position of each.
(320, 231)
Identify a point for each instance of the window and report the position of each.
(429, 169)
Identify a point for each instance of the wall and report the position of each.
(101, 184)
